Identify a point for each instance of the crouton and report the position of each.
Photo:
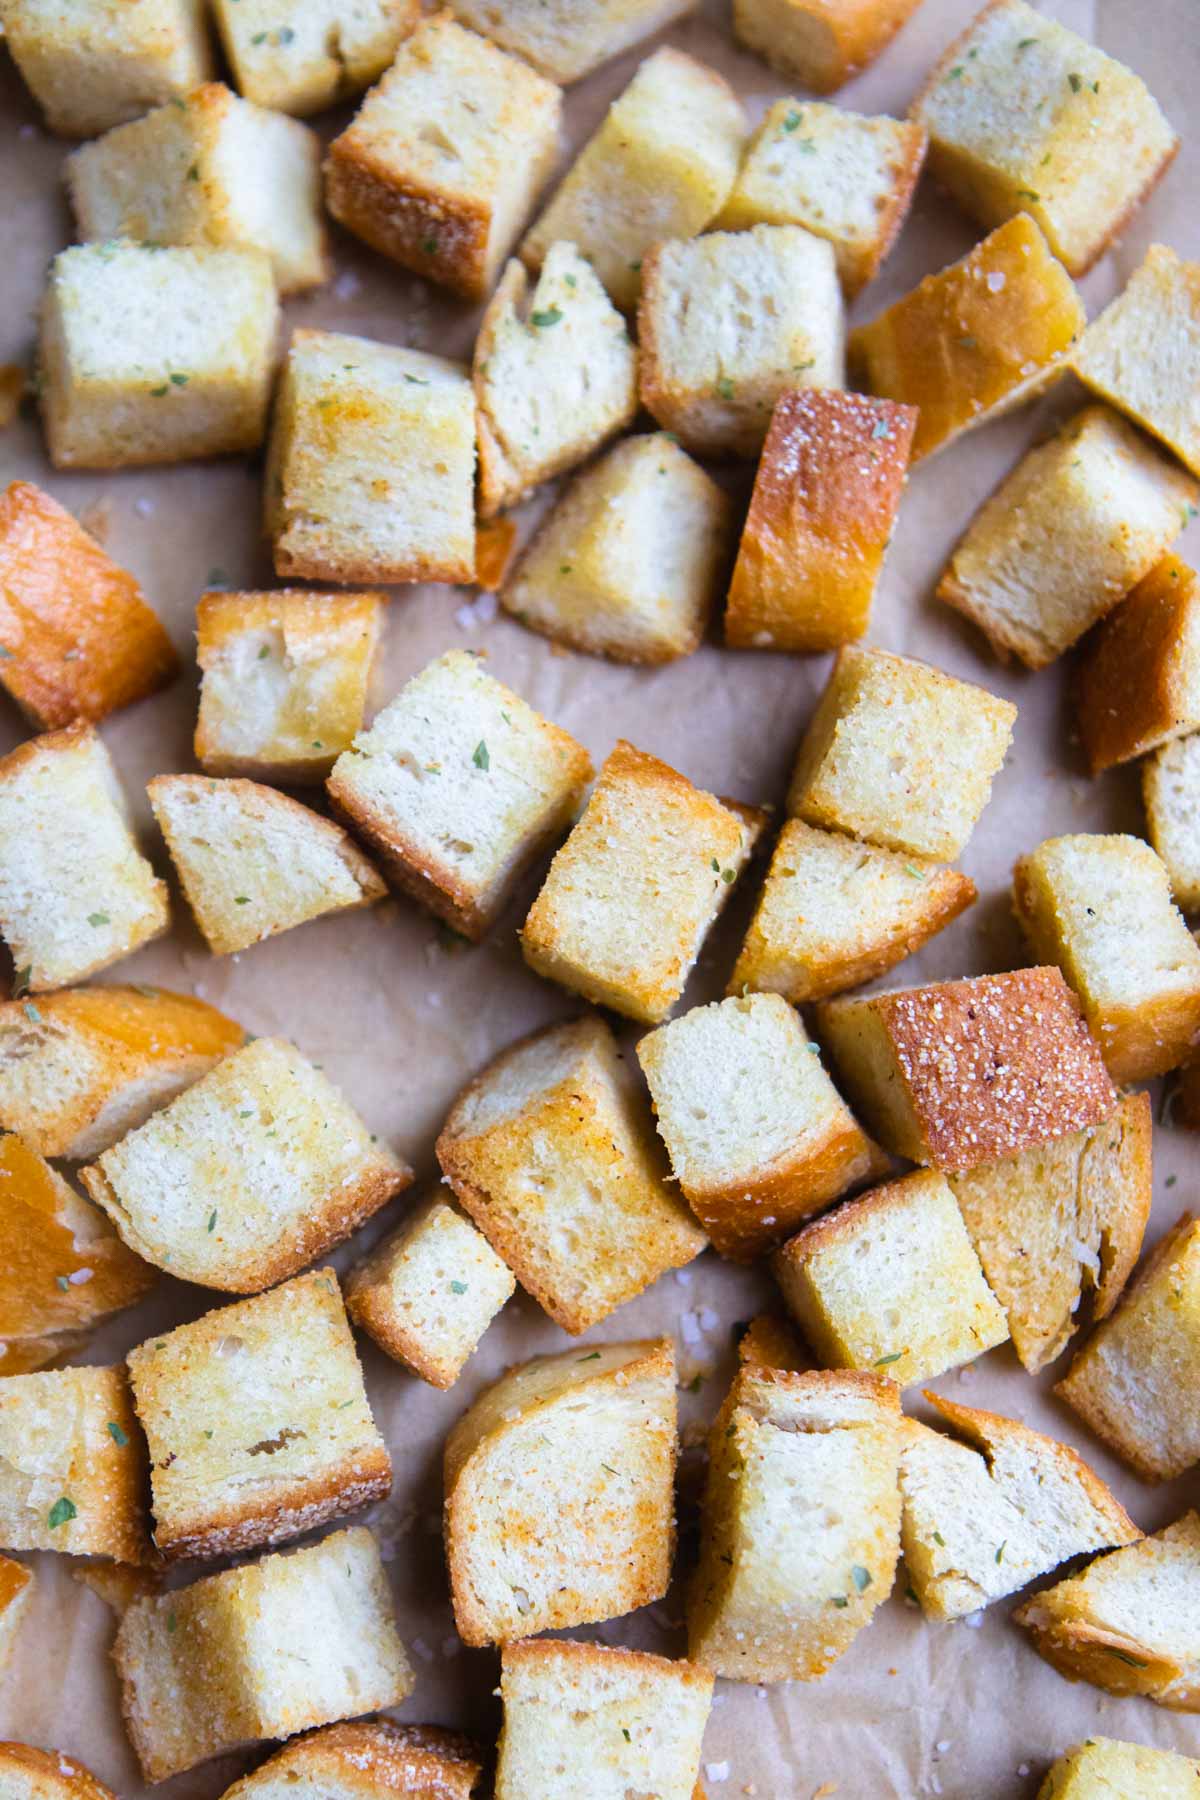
(430, 1289)
(629, 564)
(1066, 535)
(728, 323)
(371, 466)
(442, 163)
(77, 640)
(1127, 1623)
(1143, 352)
(253, 862)
(555, 376)
(252, 1173)
(660, 165)
(257, 1422)
(92, 67)
(29, 1774)
(262, 1651)
(366, 1760)
(76, 894)
(567, 41)
(16, 1591)
(300, 56)
(1060, 1219)
(632, 893)
(989, 1509)
(495, 540)
(769, 1342)
(757, 1133)
(72, 1465)
(634, 1722)
(554, 1158)
(1138, 682)
(1100, 907)
(821, 43)
(457, 787)
(1022, 114)
(900, 754)
(834, 913)
(974, 340)
(844, 177)
(1171, 791)
(208, 169)
(964, 1072)
(1135, 1380)
(1107, 1769)
(800, 1528)
(892, 1282)
(560, 1501)
(821, 516)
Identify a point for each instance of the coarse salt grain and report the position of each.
(717, 1771)
(973, 1621)
(347, 285)
(143, 506)
(709, 1320)
(79, 1276)
(997, 281)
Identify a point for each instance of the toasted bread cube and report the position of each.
(974, 340)
(16, 1591)
(834, 913)
(76, 894)
(253, 862)
(629, 563)
(769, 1342)
(800, 1528)
(1171, 791)
(92, 67)
(252, 1173)
(1065, 536)
(634, 1722)
(757, 1133)
(660, 165)
(1138, 682)
(1136, 1381)
(554, 1158)
(370, 1758)
(821, 43)
(824, 506)
(72, 1465)
(1100, 907)
(900, 754)
(300, 56)
(442, 164)
(262, 1651)
(371, 467)
(731, 321)
(1143, 352)
(632, 893)
(77, 639)
(430, 1289)
(456, 787)
(567, 41)
(30, 1774)
(964, 1072)
(989, 1509)
(1108, 1769)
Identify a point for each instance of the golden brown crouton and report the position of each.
(1106, 1769)
(366, 1761)
(822, 43)
(1142, 353)
(29, 1774)
(1138, 682)
(1171, 791)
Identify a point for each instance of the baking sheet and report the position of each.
(400, 1022)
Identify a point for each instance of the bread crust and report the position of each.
(854, 35)
(1140, 669)
(49, 1775)
(400, 219)
(371, 1759)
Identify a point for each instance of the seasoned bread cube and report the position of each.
(252, 1173)
(257, 1422)
(1138, 681)
(821, 516)
(964, 1072)
(1171, 791)
(1143, 352)
(253, 862)
(94, 66)
(1100, 907)
(800, 1528)
(554, 1157)
(77, 639)
(72, 1465)
(834, 913)
(1023, 115)
(1060, 1218)
(757, 1133)
(1066, 535)
(430, 1289)
(208, 169)
(1136, 1381)
(660, 165)
(16, 1591)
(974, 340)
(371, 466)
(822, 43)
(300, 56)
(555, 376)
(441, 165)
(900, 754)
(261, 1651)
(632, 893)
(989, 1509)
(629, 563)
(892, 1282)
(365, 1761)
(567, 40)
(76, 894)
(634, 1722)
(560, 1498)
(457, 787)
(29, 1774)
(1107, 1769)
(728, 323)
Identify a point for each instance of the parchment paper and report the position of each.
(400, 1023)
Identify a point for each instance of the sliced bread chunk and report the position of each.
(1138, 683)
(31, 1774)
(1171, 791)
(369, 1760)
(770, 1342)
(72, 1465)
(1143, 352)
(91, 67)
(822, 43)
(300, 56)
(1104, 1768)
(567, 39)
(16, 1592)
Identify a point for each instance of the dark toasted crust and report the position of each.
(494, 538)
(255, 1524)
(1126, 684)
(552, 1652)
(420, 228)
(856, 35)
(372, 1758)
(48, 1774)
(772, 1343)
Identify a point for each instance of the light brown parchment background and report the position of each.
(399, 1023)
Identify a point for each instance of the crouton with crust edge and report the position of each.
(1142, 354)
(821, 43)
(1138, 681)
(32, 1774)
(1107, 1769)
(367, 1760)
(90, 68)
(565, 41)
(1171, 793)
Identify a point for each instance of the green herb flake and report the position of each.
(212, 1220)
(728, 876)
(608, 1468)
(956, 73)
(1122, 1656)
(1001, 1550)
(725, 388)
(1171, 1180)
(193, 173)
(208, 1434)
(264, 653)
(21, 980)
(415, 380)
(792, 122)
(217, 578)
(838, 1600)
(695, 1384)
(592, 1356)
(550, 316)
(172, 1621)
(967, 341)
(884, 1361)
(62, 1512)
(881, 429)
(861, 1577)
(1075, 81)
(570, 281)
(260, 37)
(284, 35)
(241, 899)
(119, 1437)
(179, 381)
(157, 393)
(1028, 194)
(429, 247)
(32, 1013)
(1025, 43)
(458, 1287)
(564, 568)
(98, 918)
(912, 869)
(939, 1539)
(625, 1734)
(480, 756)
(61, 1282)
